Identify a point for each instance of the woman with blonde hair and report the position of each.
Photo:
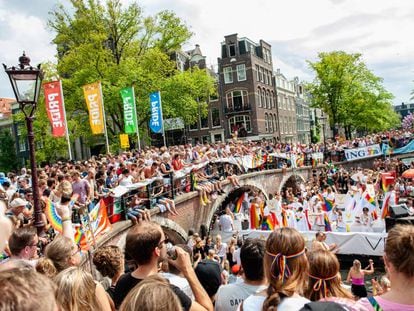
(286, 268)
(356, 275)
(152, 293)
(398, 260)
(324, 278)
(76, 291)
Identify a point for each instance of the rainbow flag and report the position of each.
(327, 203)
(386, 180)
(369, 199)
(98, 219)
(327, 222)
(52, 215)
(374, 215)
(385, 206)
(238, 206)
(269, 222)
(254, 217)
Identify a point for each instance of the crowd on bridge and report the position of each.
(154, 177)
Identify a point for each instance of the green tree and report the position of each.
(350, 93)
(119, 46)
(8, 156)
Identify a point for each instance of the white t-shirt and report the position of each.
(180, 282)
(221, 251)
(226, 223)
(229, 297)
(126, 181)
(236, 256)
(255, 303)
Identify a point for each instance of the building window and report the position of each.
(241, 72)
(269, 103)
(206, 139)
(264, 98)
(262, 74)
(215, 117)
(204, 122)
(265, 77)
(266, 123)
(237, 99)
(180, 65)
(228, 75)
(232, 50)
(259, 97)
(240, 124)
(193, 126)
(275, 123)
(257, 73)
(22, 145)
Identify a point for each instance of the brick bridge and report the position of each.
(192, 215)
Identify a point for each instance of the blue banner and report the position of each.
(156, 112)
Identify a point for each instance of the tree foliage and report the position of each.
(119, 46)
(350, 93)
(8, 156)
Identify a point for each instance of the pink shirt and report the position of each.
(386, 305)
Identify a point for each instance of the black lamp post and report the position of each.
(26, 82)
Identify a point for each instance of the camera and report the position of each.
(171, 251)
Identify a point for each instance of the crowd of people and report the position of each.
(276, 274)
(204, 274)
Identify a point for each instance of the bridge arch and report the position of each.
(292, 179)
(221, 202)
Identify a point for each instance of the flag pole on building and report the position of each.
(104, 119)
(66, 122)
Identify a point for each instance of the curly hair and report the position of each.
(108, 260)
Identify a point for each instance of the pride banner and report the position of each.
(363, 152)
(156, 113)
(130, 110)
(92, 93)
(54, 108)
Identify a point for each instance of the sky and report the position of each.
(297, 30)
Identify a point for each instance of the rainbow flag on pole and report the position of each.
(269, 222)
(369, 199)
(327, 222)
(238, 206)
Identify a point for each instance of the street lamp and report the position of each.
(26, 82)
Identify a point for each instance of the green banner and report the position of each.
(130, 110)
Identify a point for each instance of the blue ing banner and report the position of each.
(155, 122)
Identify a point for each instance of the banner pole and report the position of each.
(162, 120)
(136, 118)
(104, 119)
(66, 122)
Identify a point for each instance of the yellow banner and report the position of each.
(92, 93)
(124, 141)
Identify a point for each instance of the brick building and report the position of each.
(247, 89)
(210, 127)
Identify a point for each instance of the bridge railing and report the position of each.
(175, 184)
